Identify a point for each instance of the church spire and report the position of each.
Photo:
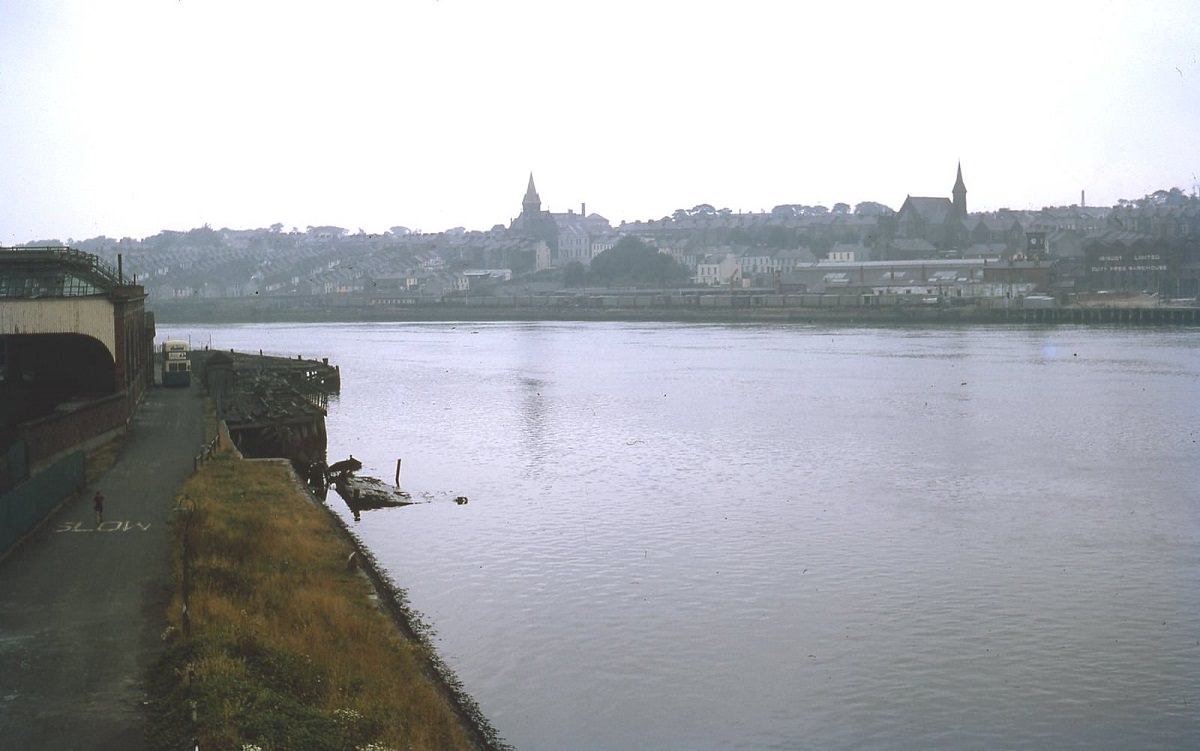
(531, 204)
(960, 193)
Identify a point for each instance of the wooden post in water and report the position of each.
(398, 472)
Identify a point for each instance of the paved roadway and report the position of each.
(82, 607)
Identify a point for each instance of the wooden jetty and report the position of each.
(274, 406)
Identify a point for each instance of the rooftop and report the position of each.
(54, 271)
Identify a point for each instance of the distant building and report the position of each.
(932, 280)
(845, 252)
(1124, 261)
(941, 222)
(718, 269)
(960, 195)
(533, 222)
(794, 258)
(570, 237)
(1003, 229)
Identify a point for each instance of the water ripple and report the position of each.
(778, 537)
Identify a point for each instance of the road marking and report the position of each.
(103, 527)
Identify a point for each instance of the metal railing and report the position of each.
(207, 452)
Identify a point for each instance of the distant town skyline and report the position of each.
(133, 117)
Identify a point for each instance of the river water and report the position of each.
(787, 537)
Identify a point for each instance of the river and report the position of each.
(787, 537)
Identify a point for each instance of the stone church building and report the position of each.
(570, 236)
(928, 224)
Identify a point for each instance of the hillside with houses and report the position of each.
(1149, 245)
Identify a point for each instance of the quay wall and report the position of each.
(393, 601)
(737, 307)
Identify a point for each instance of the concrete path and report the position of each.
(82, 606)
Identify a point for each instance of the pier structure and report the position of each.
(1129, 316)
(273, 406)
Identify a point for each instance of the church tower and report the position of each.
(533, 222)
(960, 193)
(532, 205)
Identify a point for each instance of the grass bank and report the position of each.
(286, 646)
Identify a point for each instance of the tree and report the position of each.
(632, 261)
(522, 261)
(204, 236)
(574, 275)
(871, 208)
(841, 209)
(778, 236)
(1162, 197)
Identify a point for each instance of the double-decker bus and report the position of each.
(176, 367)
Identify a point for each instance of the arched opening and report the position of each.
(40, 372)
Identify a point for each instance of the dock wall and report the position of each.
(747, 306)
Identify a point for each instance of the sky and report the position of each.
(124, 118)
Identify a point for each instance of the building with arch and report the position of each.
(76, 349)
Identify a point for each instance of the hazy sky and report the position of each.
(126, 117)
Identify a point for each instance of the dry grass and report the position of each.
(287, 648)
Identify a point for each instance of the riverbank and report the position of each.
(851, 310)
(285, 642)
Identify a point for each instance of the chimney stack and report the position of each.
(583, 209)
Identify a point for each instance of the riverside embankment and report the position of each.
(283, 634)
(737, 307)
(285, 646)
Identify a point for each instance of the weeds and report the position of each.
(286, 650)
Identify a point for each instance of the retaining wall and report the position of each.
(24, 507)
